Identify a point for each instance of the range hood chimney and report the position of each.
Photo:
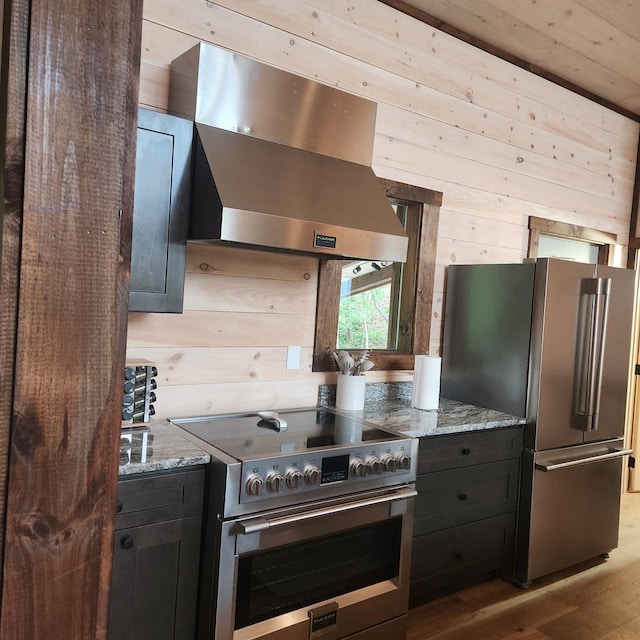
(281, 162)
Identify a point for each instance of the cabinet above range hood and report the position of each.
(281, 162)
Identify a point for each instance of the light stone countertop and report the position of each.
(157, 447)
(451, 417)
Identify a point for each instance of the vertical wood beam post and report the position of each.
(81, 66)
(13, 48)
(634, 224)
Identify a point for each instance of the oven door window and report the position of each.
(280, 580)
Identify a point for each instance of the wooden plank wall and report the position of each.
(500, 143)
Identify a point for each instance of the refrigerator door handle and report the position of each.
(593, 332)
(618, 453)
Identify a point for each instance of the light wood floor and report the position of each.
(601, 602)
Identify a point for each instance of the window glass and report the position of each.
(567, 249)
(370, 301)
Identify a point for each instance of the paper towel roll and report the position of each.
(426, 383)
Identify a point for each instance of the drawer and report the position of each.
(458, 496)
(449, 558)
(159, 496)
(437, 453)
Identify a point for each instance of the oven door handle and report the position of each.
(256, 525)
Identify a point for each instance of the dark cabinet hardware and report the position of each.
(118, 506)
(458, 556)
(126, 542)
(462, 497)
(465, 451)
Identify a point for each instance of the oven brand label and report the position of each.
(323, 619)
(323, 240)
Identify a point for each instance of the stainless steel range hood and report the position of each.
(281, 162)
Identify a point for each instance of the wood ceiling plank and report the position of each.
(499, 28)
(578, 28)
(622, 14)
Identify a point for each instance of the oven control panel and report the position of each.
(314, 471)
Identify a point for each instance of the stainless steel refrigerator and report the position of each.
(549, 340)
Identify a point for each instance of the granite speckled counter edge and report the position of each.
(157, 447)
(388, 405)
(160, 447)
(451, 417)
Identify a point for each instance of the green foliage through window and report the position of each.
(363, 321)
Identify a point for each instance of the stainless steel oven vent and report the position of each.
(281, 161)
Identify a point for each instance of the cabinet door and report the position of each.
(160, 212)
(159, 496)
(458, 496)
(470, 448)
(450, 558)
(154, 581)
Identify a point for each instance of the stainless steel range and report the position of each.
(309, 526)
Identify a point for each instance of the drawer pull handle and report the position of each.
(466, 451)
(126, 542)
(118, 506)
(458, 555)
(462, 497)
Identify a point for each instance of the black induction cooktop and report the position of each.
(247, 435)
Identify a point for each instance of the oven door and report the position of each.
(331, 570)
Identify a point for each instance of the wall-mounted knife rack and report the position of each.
(139, 386)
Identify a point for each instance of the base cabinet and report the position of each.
(466, 508)
(156, 557)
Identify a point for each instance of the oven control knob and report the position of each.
(293, 478)
(374, 466)
(389, 463)
(358, 468)
(254, 485)
(312, 474)
(404, 461)
(275, 481)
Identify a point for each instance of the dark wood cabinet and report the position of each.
(466, 507)
(161, 212)
(156, 556)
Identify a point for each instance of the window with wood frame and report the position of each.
(569, 241)
(410, 285)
